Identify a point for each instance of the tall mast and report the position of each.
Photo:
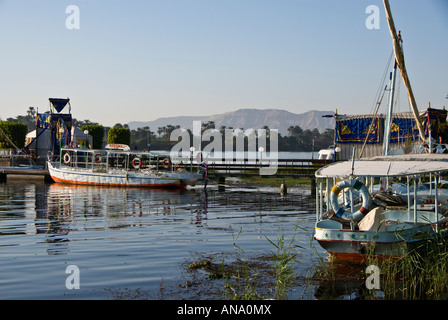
(399, 58)
(388, 123)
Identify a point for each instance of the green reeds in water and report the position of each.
(243, 281)
(420, 274)
(284, 257)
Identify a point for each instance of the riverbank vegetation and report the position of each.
(297, 139)
(422, 274)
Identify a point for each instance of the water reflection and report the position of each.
(55, 210)
(17, 205)
(94, 201)
(133, 238)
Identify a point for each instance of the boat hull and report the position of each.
(64, 174)
(390, 244)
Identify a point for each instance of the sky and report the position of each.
(141, 60)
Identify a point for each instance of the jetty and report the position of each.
(219, 169)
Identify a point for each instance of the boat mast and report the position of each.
(388, 124)
(399, 58)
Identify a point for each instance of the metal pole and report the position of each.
(436, 200)
(415, 199)
(321, 200)
(317, 203)
(409, 196)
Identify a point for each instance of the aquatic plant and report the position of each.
(243, 288)
(283, 258)
(420, 274)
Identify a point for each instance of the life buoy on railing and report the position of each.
(366, 200)
(66, 158)
(166, 163)
(136, 163)
(97, 158)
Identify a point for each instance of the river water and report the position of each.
(138, 243)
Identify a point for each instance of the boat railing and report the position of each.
(105, 160)
(412, 182)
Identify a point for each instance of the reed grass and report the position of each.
(284, 257)
(243, 282)
(420, 274)
(243, 287)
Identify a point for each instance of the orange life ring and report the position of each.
(136, 163)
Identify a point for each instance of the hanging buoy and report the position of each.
(136, 163)
(366, 200)
(66, 158)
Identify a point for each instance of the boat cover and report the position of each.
(387, 166)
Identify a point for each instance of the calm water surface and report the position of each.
(137, 243)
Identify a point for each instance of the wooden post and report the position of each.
(283, 188)
(222, 183)
(313, 186)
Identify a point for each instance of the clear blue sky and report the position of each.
(141, 60)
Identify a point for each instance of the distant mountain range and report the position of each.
(249, 118)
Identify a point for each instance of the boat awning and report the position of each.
(387, 166)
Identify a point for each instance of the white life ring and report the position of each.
(136, 163)
(366, 200)
(66, 158)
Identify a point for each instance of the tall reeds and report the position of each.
(420, 274)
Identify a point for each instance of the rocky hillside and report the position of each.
(249, 118)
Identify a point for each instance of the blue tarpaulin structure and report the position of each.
(352, 132)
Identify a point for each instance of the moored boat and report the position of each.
(120, 168)
(367, 230)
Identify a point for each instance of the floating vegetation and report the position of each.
(239, 277)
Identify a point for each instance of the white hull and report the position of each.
(392, 236)
(65, 174)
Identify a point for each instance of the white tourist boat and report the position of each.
(120, 168)
(383, 232)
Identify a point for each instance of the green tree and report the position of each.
(15, 132)
(97, 133)
(119, 135)
(295, 131)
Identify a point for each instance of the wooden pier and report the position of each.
(19, 166)
(24, 173)
(217, 168)
(282, 167)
